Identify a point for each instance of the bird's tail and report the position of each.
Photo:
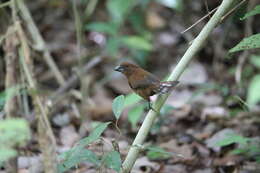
(166, 86)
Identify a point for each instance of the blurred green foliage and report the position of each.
(119, 13)
(79, 153)
(13, 133)
(249, 147)
(251, 42)
(8, 94)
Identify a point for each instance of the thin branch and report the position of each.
(201, 19)
(197, 44)
(232, 10)
(39, 43)
(5, 4)
(47, 140)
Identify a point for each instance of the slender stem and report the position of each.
(39, 43)
(197, 44)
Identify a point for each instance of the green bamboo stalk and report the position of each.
(197, 44)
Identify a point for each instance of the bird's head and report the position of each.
(126, 68)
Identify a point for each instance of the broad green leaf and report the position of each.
(253, 12)
(112, 160)
(132, 99)
(253, 95)
(137, 42)
(231, 139)
(118, 105)
(102, 27)
(255, 60)
(79, 155)
(94, 135)
(135, 114)
(118, 10)
(251, 42)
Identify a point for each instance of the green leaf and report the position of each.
(8, 94)
(251, 42)
(113, 45)
(118, 9)
(135, 114)
(102, 27)
(6, 154)
(132, 99)
(118, 105)
(255, 60)
(155, 153)
(14, 132)
(253, 95)
(112, 160)
(137, 42)
(231, 139)
(94, 135)
(239, 151)
(79, 155)
(253, 12)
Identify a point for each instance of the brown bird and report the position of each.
(144, 83)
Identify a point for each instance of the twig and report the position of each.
(197, 44)
(232, 10)
(207, 6)
(11, 81)
(204, 17)
(74, 79)
(5, 4)
(46, 137)
(39, 43)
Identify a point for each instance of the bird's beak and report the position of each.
(119, 68)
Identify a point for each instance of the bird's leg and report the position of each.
(150, 106)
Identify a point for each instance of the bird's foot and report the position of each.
(151, 108)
